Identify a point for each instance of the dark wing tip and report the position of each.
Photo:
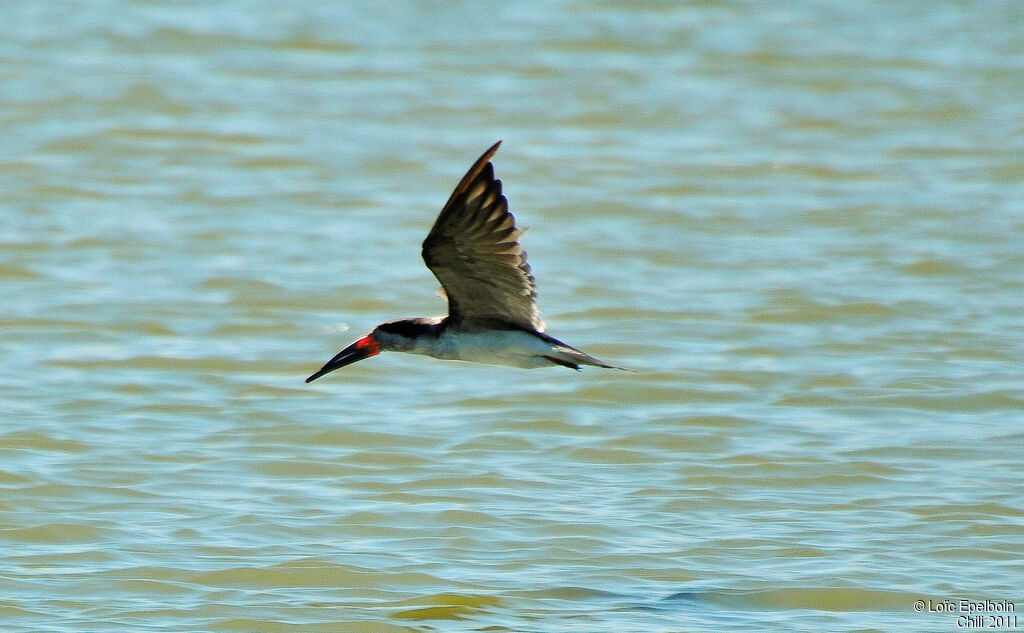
(474, 171)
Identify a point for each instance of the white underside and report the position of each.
(498, 347)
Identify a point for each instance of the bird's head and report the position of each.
(400, 335)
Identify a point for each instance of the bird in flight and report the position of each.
(473, 250)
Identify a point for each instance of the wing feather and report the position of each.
(473, 250)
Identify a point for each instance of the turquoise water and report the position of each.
(801, 222)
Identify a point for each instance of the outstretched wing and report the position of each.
(473, 250)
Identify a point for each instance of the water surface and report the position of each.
(801, 222)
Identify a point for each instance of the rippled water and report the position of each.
(802, 222)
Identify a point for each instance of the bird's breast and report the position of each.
(494, 347)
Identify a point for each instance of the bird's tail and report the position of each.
(568, 356)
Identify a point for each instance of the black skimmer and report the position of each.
(473, 250)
